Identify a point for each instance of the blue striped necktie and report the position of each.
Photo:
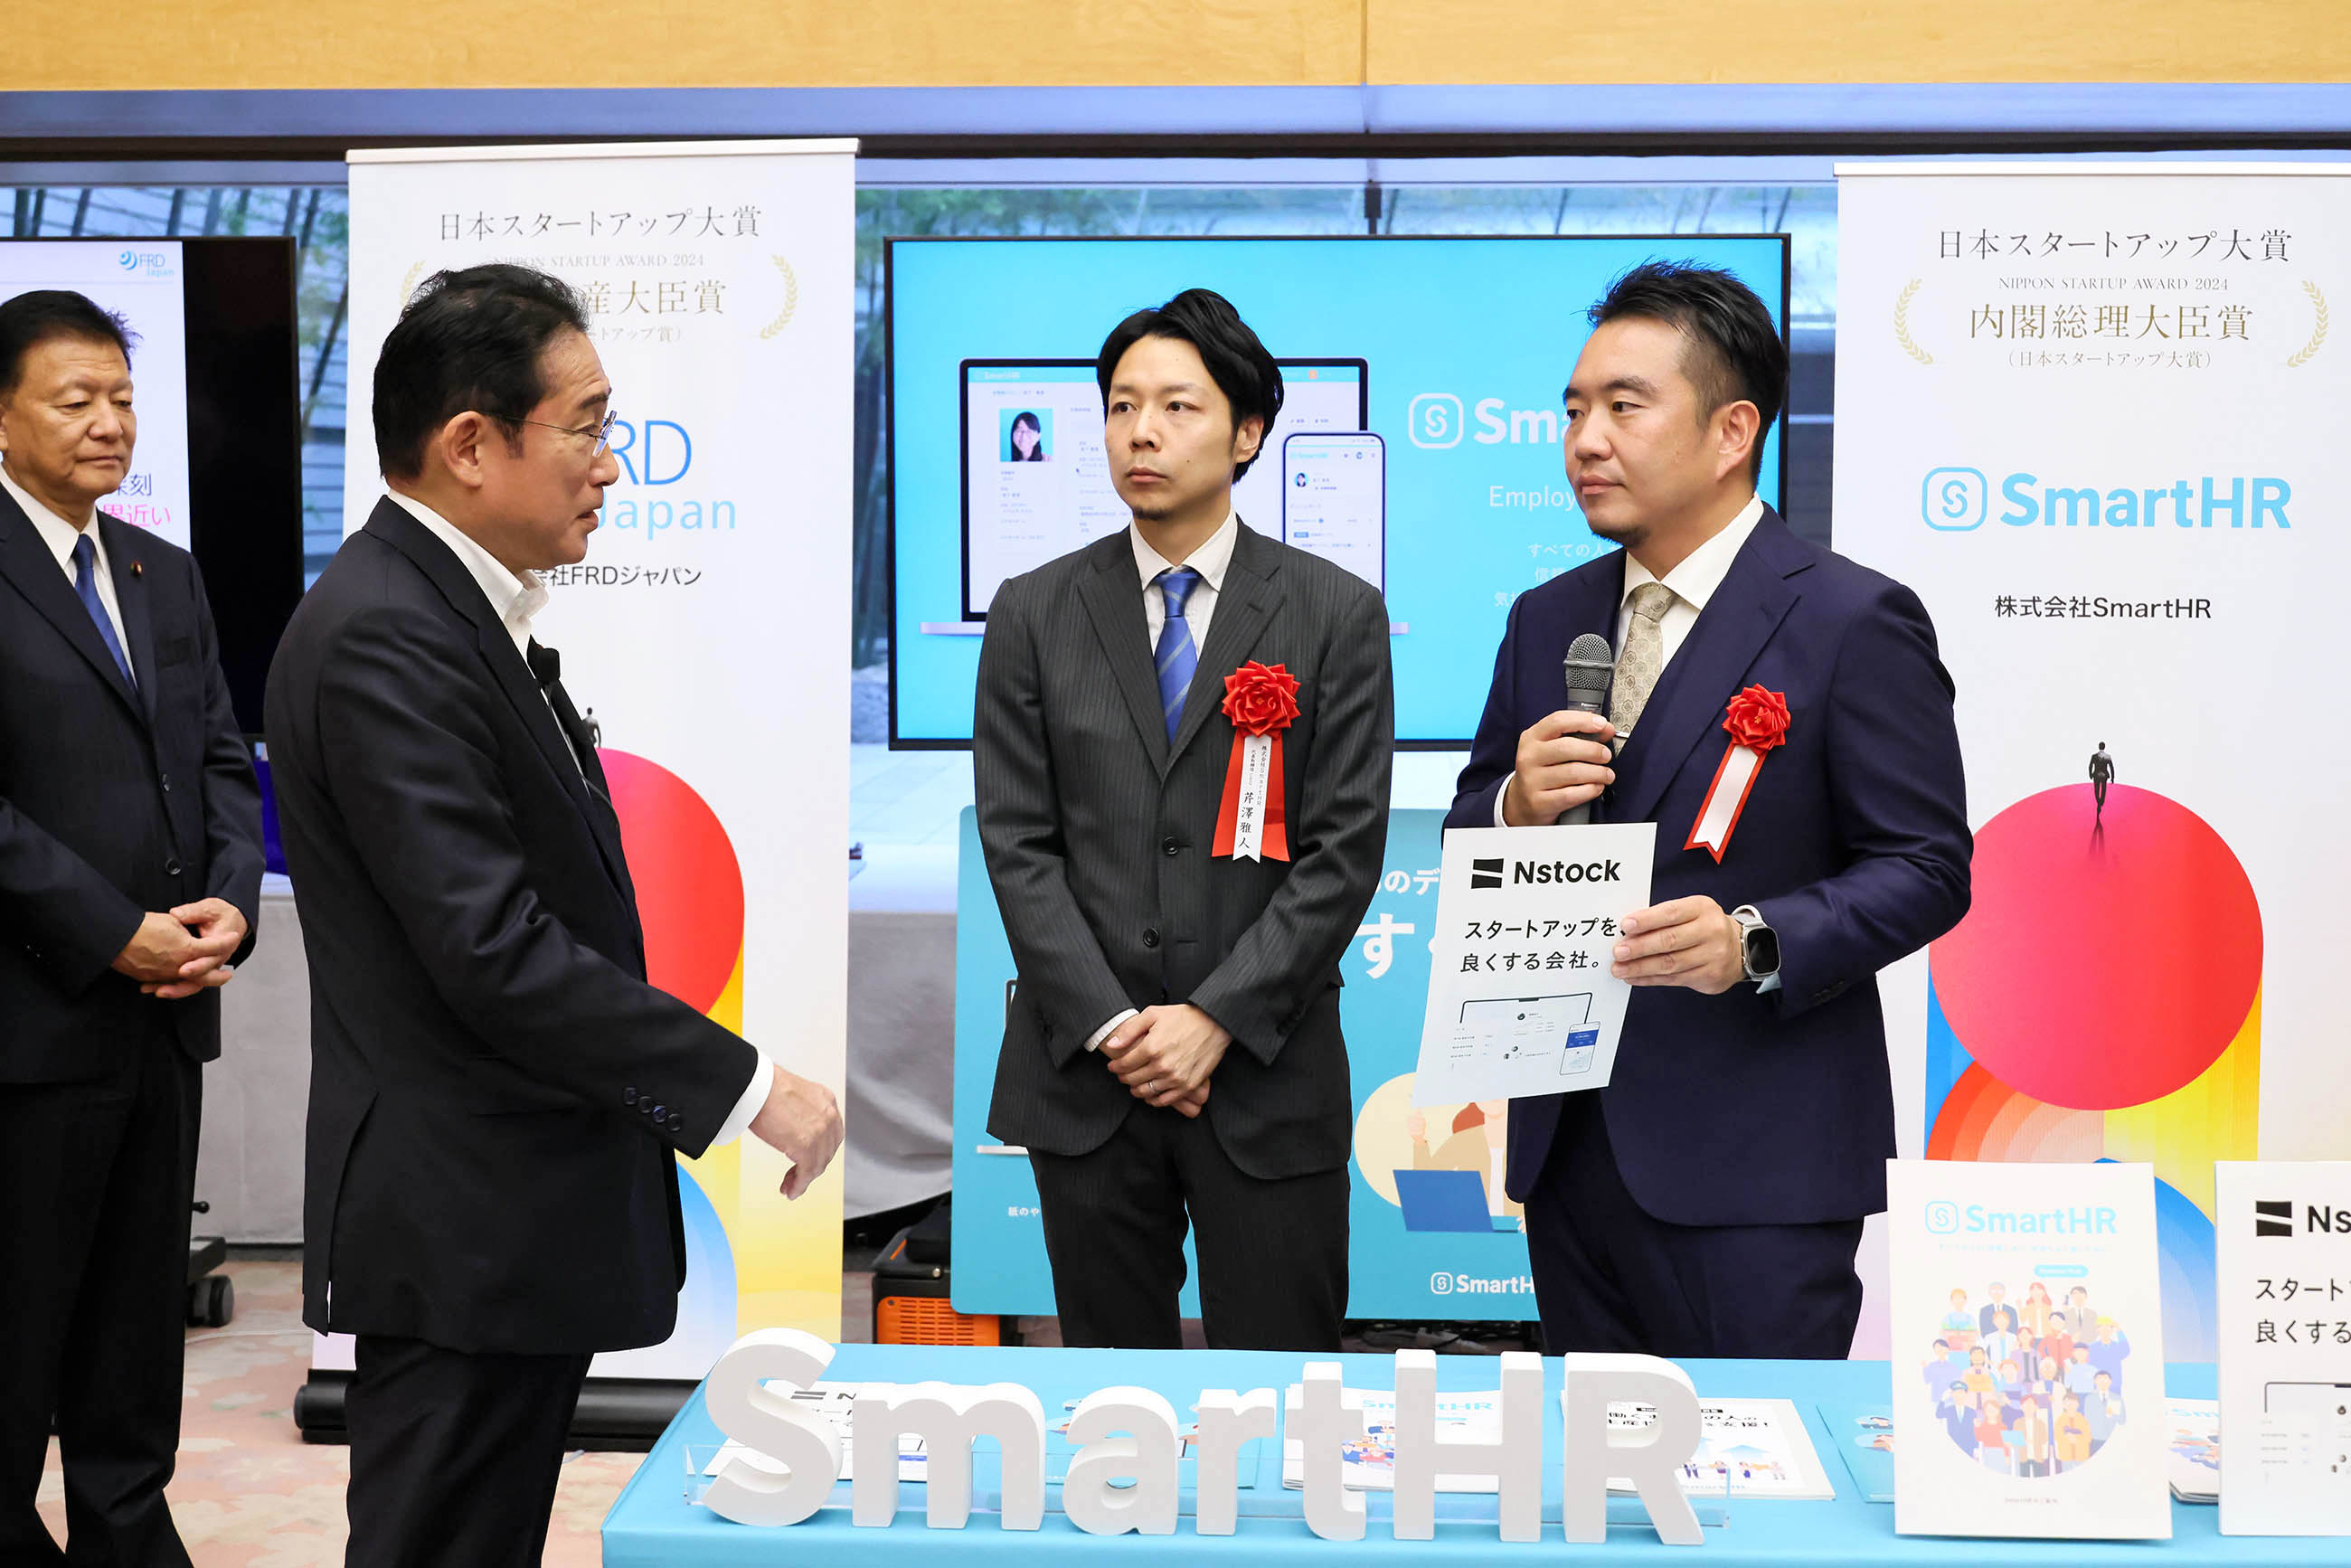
(1177, 655)
(85, 554)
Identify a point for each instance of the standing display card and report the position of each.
(1521, 998)
(2028, 1351)
(2285, 1345)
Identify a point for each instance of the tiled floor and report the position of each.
(251, 1494)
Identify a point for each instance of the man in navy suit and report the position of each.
(1709, 1200)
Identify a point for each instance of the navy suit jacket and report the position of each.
(1772, 1108)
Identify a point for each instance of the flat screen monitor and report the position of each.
(1418, 445)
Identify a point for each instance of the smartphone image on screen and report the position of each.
(1334, 500)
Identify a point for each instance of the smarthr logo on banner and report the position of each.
(1956, 500)
(1436, 421)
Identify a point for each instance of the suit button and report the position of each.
(167, 783)
(1150, 938)
(628, 1096)
(660, 1116)
(645, 1104)
(1171, 847)
(172, 867)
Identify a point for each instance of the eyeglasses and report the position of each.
(602, 435)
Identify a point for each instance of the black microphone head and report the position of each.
(1590, 666)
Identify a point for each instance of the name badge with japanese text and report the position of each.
(1520, 996)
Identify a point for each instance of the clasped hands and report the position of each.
(184, 951)
(1564, 761)
(1165, 1056)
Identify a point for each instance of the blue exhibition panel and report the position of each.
(654, 1524)
(1430, 1235)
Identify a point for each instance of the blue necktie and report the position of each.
(86, 587)
(1176, 655)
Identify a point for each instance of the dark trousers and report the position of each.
(454, 1456)
(1609, 1277)
(95, 1183)
(1273, 1254)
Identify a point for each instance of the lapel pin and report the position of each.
(138, 568)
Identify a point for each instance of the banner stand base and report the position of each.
(615, 1415)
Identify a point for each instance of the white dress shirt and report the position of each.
(1694, 582)
(517, 600)
(1211, 561)
(60, 534)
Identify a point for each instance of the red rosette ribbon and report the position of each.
(1261, 700)
(1758, 718)
(1757, 721)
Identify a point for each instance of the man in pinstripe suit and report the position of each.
(1173, 1046)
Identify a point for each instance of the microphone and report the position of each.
(1590, 666)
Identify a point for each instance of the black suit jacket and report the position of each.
(496, 1092)
(113, 802)
(1097, 833)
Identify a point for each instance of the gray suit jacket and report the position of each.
(1097, 833)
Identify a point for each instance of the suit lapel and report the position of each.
(1691, 695)
(25, 561)
(124, 557)
(1245, 603)
(1113, 602)
(603, 817)
(390, 523)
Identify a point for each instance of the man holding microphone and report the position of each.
(1709, 1200)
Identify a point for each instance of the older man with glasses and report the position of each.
(498, 1096)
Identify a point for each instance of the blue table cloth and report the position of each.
(653, 1523)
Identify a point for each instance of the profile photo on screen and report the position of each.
(1027, 436)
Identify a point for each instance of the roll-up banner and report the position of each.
(2091, 414)
(708, 628)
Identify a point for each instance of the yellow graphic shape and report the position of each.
(786, 1254)
(2214, 1117)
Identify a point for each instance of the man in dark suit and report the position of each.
(1172, 1045)
(496, 1095)
(1709, 1200)
(129, 882)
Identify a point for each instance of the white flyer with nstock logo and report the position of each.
(2285, 1345)
(1521, 1000)
(2028, 1351)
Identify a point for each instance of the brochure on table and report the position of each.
(1864, 1437)
(2196, 1450)
(1747, 1448)
(2284, 1270)
(2028, 1351)
(1521, 998)
(1867, 1435)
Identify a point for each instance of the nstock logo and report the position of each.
(2274, 1217)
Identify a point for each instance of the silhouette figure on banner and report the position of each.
(2102, 773)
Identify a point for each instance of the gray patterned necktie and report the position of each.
(1642, 660)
